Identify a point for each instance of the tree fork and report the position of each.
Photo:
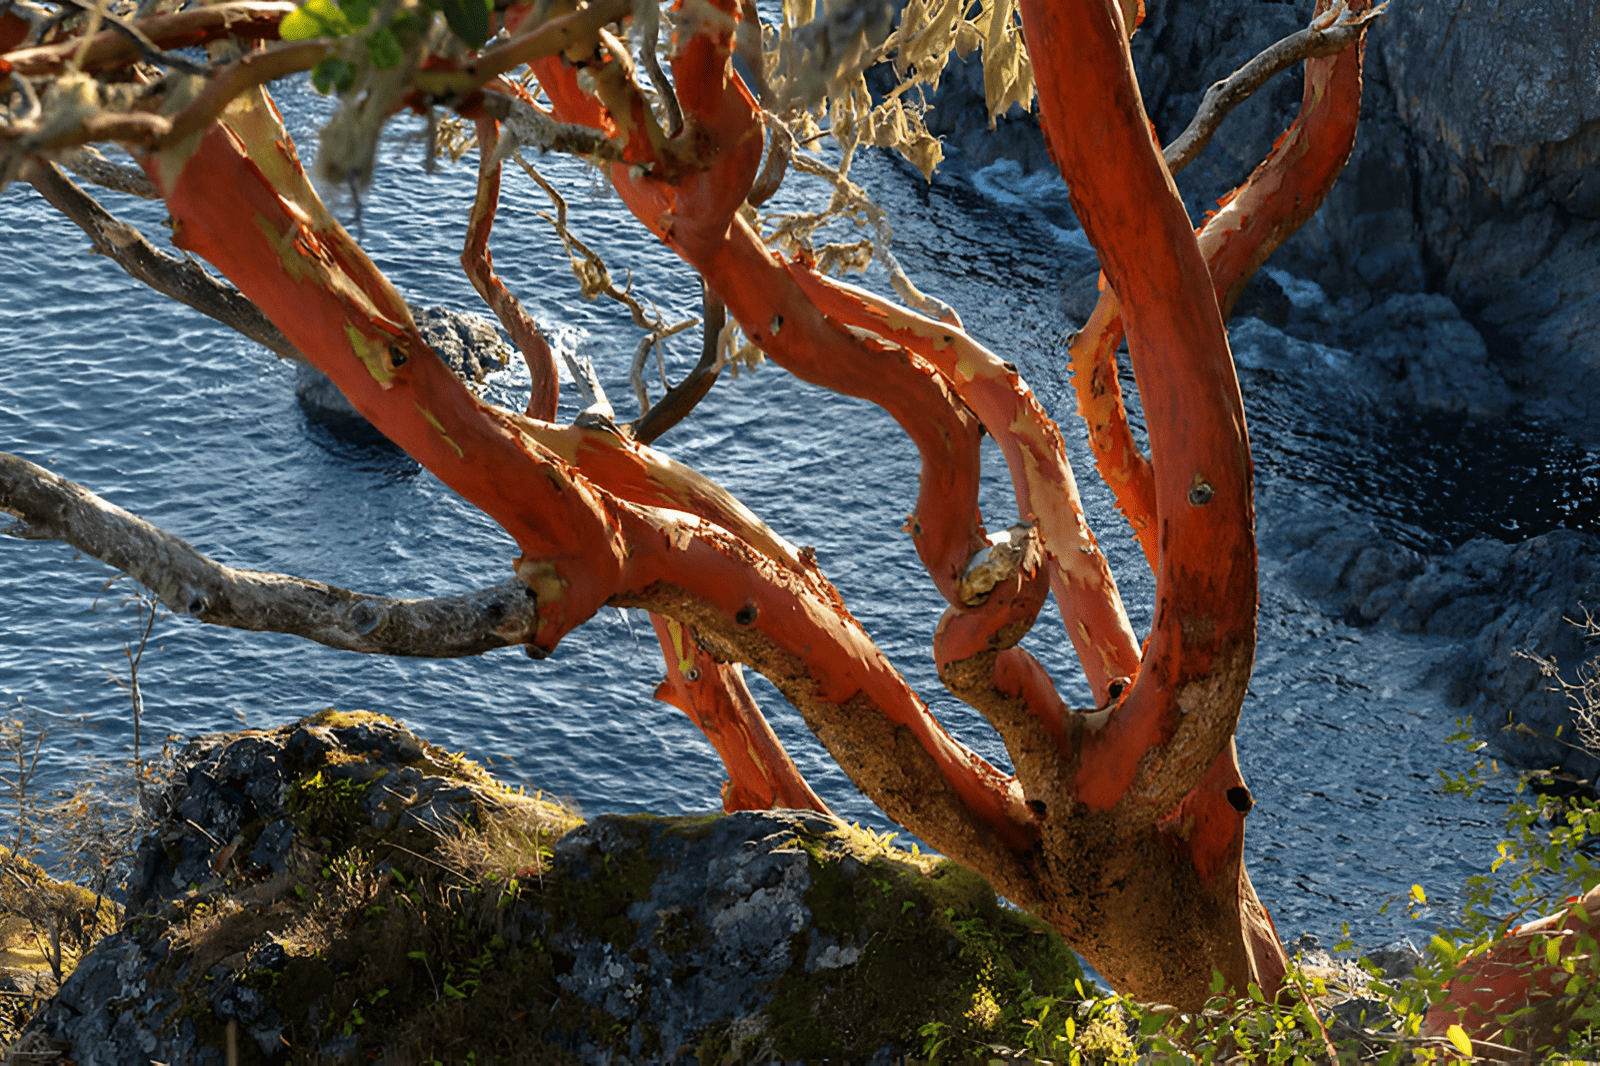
(1255, 219)
(1184, 706)
(583, 546)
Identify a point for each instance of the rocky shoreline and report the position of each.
(341, 890)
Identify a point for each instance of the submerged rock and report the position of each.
(468, 343)
(1503, 606)
(340, 890)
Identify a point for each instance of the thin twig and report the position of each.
(1322, 38)
(647, 21)
(151, 52)
(684, 396)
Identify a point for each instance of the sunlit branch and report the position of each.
(761, 774)
(1326, 36)
(1284, 191)
(50, 507)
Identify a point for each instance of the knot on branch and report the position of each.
(1011, 555)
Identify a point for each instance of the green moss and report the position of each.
(325, 807)
(935, 945)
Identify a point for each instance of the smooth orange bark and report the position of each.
(1255, 219)
(713, 695)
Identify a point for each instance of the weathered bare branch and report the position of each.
(148, 49)
(686, 394)
(1321, 38)
(181, 279)
(88, 164)
(526, 126)
(50, 507)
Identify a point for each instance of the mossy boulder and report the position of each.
(340, 890)
(33, 906)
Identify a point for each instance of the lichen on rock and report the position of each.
(341, 890)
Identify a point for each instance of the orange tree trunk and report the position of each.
(1135, 842)
(1123, 826)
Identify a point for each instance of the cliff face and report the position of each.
(1474, 175)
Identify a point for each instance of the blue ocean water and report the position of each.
(177, 419)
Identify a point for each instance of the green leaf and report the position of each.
(1458, 1037)
(333, 75)
(315, 18)
(384, 50)
(469, 19)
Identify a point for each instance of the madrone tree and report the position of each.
(1122, 825)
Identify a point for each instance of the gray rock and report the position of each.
(1496, 602)
(469, 343)
(383, 899)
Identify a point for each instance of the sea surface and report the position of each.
(197, 430)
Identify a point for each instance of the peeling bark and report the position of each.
(1165, 738)
(582, 545)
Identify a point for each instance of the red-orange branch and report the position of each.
(1197, 661)
(1117, 458)
(581, 545)
(697, 217)
(1293, 181)
(479, 266)
(1280, 195)
(1521, 973)
(1041, 477)
(713, 695)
